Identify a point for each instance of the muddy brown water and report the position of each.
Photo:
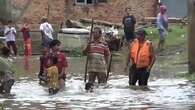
(164, 90)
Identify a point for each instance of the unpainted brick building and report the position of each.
(60, 10)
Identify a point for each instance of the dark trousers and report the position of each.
(100, 76)
(141, 75)
(12, 44)
(132, 70)
(46, 41)
(129, 35)
(6, 86)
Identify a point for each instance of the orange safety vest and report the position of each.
(140, 56)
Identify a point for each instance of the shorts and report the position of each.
(162, 34)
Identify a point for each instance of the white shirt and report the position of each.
(47, 29)
(9, 34)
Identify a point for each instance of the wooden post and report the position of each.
(86, 64)
(191, 36)
(109, 67)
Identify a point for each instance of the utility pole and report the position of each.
(191, 36)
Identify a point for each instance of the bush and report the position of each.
(76, 52)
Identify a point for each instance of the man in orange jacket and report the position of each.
(142, 57)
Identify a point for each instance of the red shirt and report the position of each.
(62, 61)
(26, 33)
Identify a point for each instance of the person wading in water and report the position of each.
(141, 55)
(99, 54)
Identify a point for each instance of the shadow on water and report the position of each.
(162, 93)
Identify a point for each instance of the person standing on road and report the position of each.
(162, 26)
(27, 45)
(129, 22)
(10, 37)
(142, 57)
(46, 32)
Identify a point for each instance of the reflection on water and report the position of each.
(165, 94)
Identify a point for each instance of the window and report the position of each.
(84, 1)
(90, 1)
(80, 1)
(102, 1)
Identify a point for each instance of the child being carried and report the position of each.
(52, 74)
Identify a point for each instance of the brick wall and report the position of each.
(112, 11)
(59, 10)
(33, 10)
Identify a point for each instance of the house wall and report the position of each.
(112, 11)
(59, 10)
(53, 9)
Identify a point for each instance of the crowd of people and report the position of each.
(53, 62)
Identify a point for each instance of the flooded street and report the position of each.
(165, 92)
(161, 94)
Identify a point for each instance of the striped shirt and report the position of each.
(97, 53)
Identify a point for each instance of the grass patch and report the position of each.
(188, 76)
(177, 35)
(76, 52)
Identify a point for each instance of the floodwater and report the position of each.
(163, 93)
